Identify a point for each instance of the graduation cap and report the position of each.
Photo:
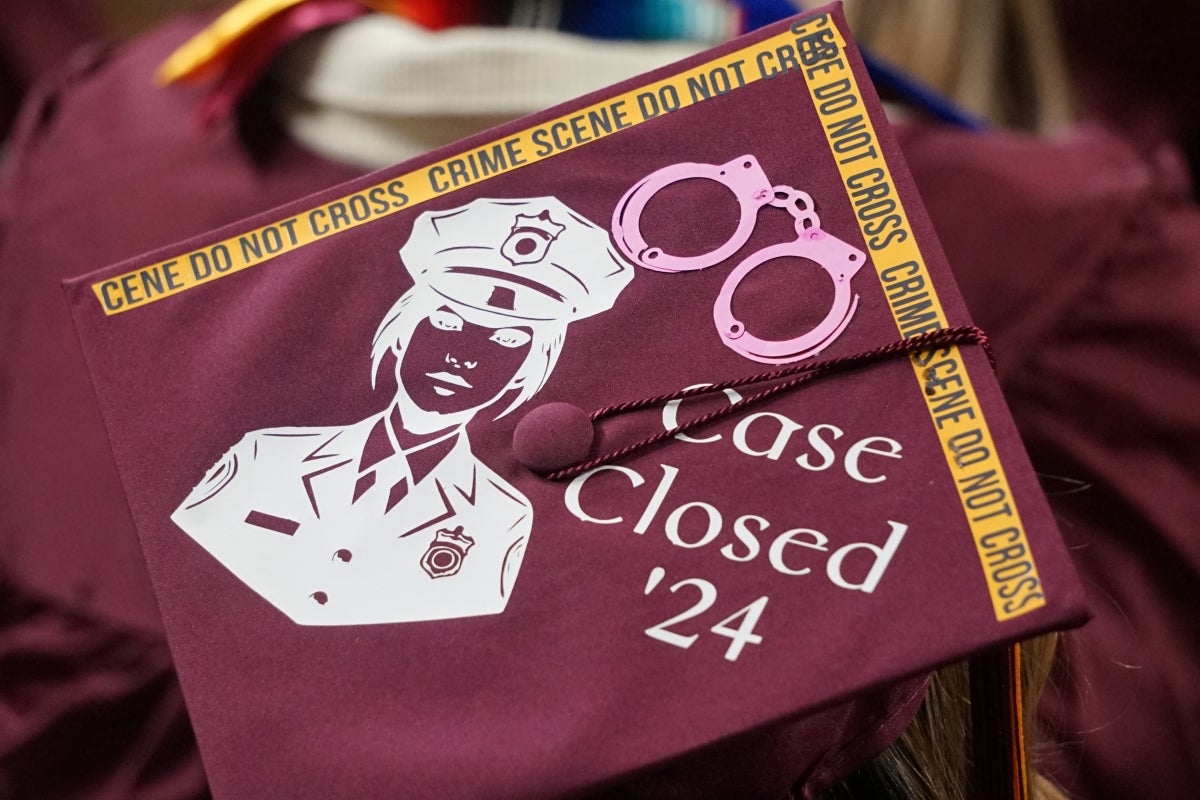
(648, 430)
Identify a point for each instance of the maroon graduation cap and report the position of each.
(642, 427)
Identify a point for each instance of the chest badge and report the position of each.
(446, 552)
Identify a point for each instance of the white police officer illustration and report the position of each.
(393, 518)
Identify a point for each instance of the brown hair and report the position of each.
(1002, 60)
(932, 758)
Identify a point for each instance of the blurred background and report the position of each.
(1133, 72)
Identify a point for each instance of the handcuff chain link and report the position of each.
(797, 203)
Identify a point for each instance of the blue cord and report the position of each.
(887, 78)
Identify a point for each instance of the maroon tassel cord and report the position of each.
(796, 376)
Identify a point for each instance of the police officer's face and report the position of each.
(451, 365)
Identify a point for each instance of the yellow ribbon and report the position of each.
(210, 50)
(211, 46)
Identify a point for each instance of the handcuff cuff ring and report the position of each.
(742, 176)
(839, 260)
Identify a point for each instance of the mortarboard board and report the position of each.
(415, 466)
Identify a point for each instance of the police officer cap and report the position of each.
(531, 259)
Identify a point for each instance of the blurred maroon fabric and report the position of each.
(1082, 260)
(102, 165)
(88, 710)
(35, 39)
(1079, 257)
(1134, 69)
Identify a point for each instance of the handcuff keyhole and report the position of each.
(854, 257)
(746, 164)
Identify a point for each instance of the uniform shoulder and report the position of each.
(267, 450)
(303, 442)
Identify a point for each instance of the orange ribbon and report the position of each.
(210, 51)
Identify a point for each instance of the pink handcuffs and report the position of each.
(746, 179)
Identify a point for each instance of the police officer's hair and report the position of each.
(419, 302)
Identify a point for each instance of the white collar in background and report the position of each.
(378, 89)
